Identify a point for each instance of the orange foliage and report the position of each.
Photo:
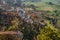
(13, 13)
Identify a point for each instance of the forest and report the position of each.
(30, 20)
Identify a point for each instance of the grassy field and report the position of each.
(43, 6)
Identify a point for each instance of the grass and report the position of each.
(45, 6)
(42, 6)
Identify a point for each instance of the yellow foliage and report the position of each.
(15, 24)
(49, 32)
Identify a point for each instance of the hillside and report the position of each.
(29, 19)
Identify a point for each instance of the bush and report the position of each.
(48, 33)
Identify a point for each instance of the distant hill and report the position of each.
(55, 1)
(11, 2)
(32, 0)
